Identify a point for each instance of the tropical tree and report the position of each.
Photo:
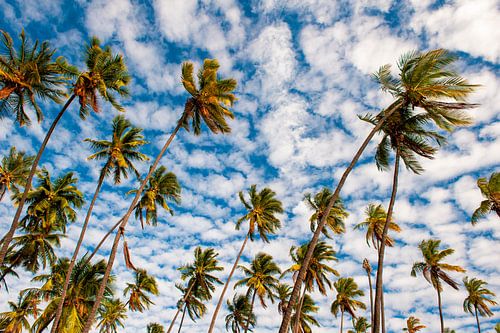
(106, 75)
(261, 217)
(111, 315)
(478, 298)
(191, 303)
(413, 325)
(209, 103)
(490, 189)
(347, 292)
(155, 328)
(14, 170)
(240, 315)
(305, 315)
(360, 325)
(374, 225)
(143, 286)
(260, 280)
(15, 320)
(336, 217)
(283, 292)
(425, 82)
(434, 270)
(368, 269)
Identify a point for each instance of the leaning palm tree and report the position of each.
(14, 170)
(155, 328)
(260, 280)
(345, 301)
(239, 314)
(490, 189)
(208, 103)
(106, 75)
(261, 217)
(425, 82)
(143, 285)
(119, 153)
(360, 325)
(16, 319)
(433, 269)
(413, 325)
(478, 298)
(111, 315)
(305, 315)
(336, 217)
(374, 225)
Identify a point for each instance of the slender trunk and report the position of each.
(103, 240)
(371, 297)
(440, 310)
(251, 311)
(379, 289)
(221, 297)
(188, 293)
(121, 230)
(298, 312)
(77, 249)
(182, 319)
(173, 320)
(342, 321)
(10, 234)
(382, 311)
(3, 189)
(477, 320)
(285, 323)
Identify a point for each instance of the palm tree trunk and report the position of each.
(10, 234)
(77, 249)
(103, 240)
(121, 230)
(440, 310)
(182, 319)
(380, 265)
(298, 312)
(382, 312)
(188, 293)
(251, 311)
(3, 189)
(173, 320)
(371, 297)
(285, 323)
(342, 321)
(477, 320)
(221, 297)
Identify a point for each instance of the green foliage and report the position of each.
(374, 225)
(155, 328)
(306, 315)
(336, 217)
(490, 189)
(15, 320)
(239, 313)
(478, 297)
(14, 169)
(144, 284)
(111, 315)
(413, 325)
(345, 301)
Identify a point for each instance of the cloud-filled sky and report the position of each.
(303, 71)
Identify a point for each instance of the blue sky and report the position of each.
(303, 69)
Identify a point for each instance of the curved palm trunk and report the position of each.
(382, 311)
(188, 293)
(285, 323)
(342, 321)
(173, 320)
(182, 319)
(251, 311)
(15, 222)
(440, 311)
(121, 230)
(379, 288)
(221, 297)
(477, 320)
(298, 312)
(77, 249)
(371, 297)
(103, 240)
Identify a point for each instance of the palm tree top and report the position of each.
(413, 325)
(345, 301)
(490, 190)
(318, 203)
(478, 297)
(374, 225)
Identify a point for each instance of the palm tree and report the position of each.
(192, 303)
(199, 276)
(434, 270)
(240, 315)
(143, 285)
(283, 292)
(374, 225)
(306, 318)
(347, 291)
(208, 102)
(27, 74)
(261, 217)
(106, 75)
(260, 280)
(119, 153)
(413, 325)
(336, 217)
(16, 319)
(478, 299)
(368, 268)
(317, 273)
(155, 328)
(424, 81)
(360, 325)
(490, 189)
(111, 315)
(13, 171)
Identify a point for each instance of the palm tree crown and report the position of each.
(345, 301)
(478, 297)
(240, 313)
(336, 217)
(111, 315)
(14, 170)
(413, 325)
(374, 225)
(15, 320)
(490, 189)
(143, 285)
(155, 328)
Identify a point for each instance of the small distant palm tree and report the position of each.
(239, 313)
(144, 284)
(283, 292)
(260, 279)
(360, 325)
(490, 189)
(478, 298)
(374, 225)
(306, 318)
(14, 170)
(434, 270)
(155, 328)
(413, 325)
(336, 217)
(111, 315)
(15, 320)
(192, 304)
(347, 292)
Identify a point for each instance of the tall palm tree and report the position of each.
(478, 298)
(305, 315)
(260, 279)
(119, 153)
(283, 292)
(199, 276)
(374, 225)
(105, 76)
(208, 102)
(261, 217)
(155, 328)
(434, 270)
(336, 217)
(14, 169)
(490, 189)
(368, 269)
(413, 325)
(111, 315)
(240, 315)
(347, 292)
(16, 319)
(425, 80)
(143, 285)
(360, 325)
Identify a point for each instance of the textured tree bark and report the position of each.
(440, 310)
